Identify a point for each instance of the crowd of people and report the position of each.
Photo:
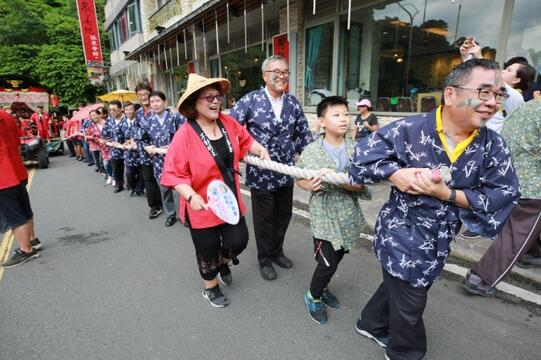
(172, 157)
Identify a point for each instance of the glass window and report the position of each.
(243, 70)
(399, 54)
(124, 28)
(133, 19)
(525, 34)
(318, 62)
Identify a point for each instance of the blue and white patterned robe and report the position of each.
(142, 121)
(283, 138)
(413, 233)
(113, 132)
(152, 133)
(131, 157)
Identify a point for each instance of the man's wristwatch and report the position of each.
(452, 197)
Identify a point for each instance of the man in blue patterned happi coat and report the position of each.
(132, 161)
(142, 117)
(421, 218)
(275, 119)
(158, 133)
(112, 131)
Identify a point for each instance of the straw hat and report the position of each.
(197, 82)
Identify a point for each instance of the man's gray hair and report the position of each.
(461, 73)
(271, 59)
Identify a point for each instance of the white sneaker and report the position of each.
(109, 180)
(114, 183)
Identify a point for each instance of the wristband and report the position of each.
(452, 197)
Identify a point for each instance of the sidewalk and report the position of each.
(462, 250)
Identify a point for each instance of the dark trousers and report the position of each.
(214, 244)
(327, 262)
(154, 197)
(519, 233)
(88, 153)
(118, 172)
(98, 161)
(71, 148)
(397, 309)
(272, 212)
(134, 178)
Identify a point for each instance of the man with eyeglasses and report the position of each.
(425, 211)
(275, 119)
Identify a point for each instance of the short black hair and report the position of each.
(115, 102)
(128, 104)
(329, 101)
(143, 85)
(526, 74)
(158, 93)
(514, 60)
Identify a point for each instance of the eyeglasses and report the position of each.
(211, 98)
(485, 94)
(279, 73)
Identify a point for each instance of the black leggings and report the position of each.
(327, 262)
(214, 244)
(118, 172)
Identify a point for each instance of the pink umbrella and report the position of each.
(84, 113)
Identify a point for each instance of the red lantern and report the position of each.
(55, 100)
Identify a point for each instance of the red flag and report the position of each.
(90, 33)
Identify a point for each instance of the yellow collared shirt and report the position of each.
(460, 147)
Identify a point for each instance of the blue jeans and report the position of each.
(108, 167)
(88, 153)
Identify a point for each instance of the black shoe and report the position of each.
(470, 235)
(382, 340)
(132, 194)
(19, 257)
(283, 262)
(474, 285)
(89, 164)
(96, 170)
(78, 158)
(224, 275)
(154, 213)
(215, 297)
(139, 193)
(529, 262)
(36, 244)
(268, 272)
(118, 189)
(171, 220)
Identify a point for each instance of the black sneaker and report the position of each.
(36, 244)
(474, 285)
(329, 299)
(215, 297)
(382, 341)
(224, 275)
(19, 257)
(132, 193)
(470, 235)
(154, 213)
(316, 309)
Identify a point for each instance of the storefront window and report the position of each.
(243, 70)
(349, 60)
(318, 62)
(525, 34)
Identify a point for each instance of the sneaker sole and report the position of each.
(36, 255)
(222, 280)
(211, 303)
(366, 334)
(37, 247)
(331, 307)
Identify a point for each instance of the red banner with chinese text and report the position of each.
(90, 33)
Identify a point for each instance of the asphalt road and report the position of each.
(111, 284)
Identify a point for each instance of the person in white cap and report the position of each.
(366, 122)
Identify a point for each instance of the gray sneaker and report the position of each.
(19, 257)
(215, 297)
(224, 275)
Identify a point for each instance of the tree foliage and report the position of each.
(41, 39)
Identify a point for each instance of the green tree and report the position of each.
(20, 25)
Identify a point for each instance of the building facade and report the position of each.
(396, 53)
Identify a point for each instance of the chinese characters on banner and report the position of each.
(280, 46)
(91, 40)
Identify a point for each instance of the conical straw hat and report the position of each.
(197, 82)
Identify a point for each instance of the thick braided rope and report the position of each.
(331, 178)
